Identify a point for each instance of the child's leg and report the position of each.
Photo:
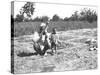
(55, 48)
(52, 47)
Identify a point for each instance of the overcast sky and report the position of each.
(51, 9)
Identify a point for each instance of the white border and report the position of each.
(5, 36)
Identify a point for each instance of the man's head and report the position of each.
(43, 24)
(44, 27)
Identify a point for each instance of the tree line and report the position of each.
(28, 10)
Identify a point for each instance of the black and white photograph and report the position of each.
(53, 37)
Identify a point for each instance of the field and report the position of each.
(73, 54)
(25, 28)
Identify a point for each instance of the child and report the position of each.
(53, 40)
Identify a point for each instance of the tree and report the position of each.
(41, 19)
(88, 15)
(84, 15)
(37, 19)
(66, 19)
(19, 18)
(75, 16)
(44, 18)
(55, 18)
(28, 10)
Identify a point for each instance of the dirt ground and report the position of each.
(74, 54)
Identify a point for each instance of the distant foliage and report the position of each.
(75, 16)
(28, 10)
(44, 18)
(55, 18)
(41, 19)
(66, 19)
(37, 19)
(88, 15)
(85, 15)
(19, 18)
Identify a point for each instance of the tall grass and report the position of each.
(25, 28)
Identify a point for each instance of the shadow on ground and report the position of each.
(23, 54)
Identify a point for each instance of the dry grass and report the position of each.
(26, 28)
(74, 56)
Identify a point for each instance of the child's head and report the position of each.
(54, 31)
(47, 22)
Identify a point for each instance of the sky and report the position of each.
(49, 10)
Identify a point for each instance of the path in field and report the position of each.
(74, 55)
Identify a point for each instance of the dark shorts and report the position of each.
(53, 44)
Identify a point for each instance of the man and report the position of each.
(43, 41)
(43, 28)
(43, 32)
(39, 39)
